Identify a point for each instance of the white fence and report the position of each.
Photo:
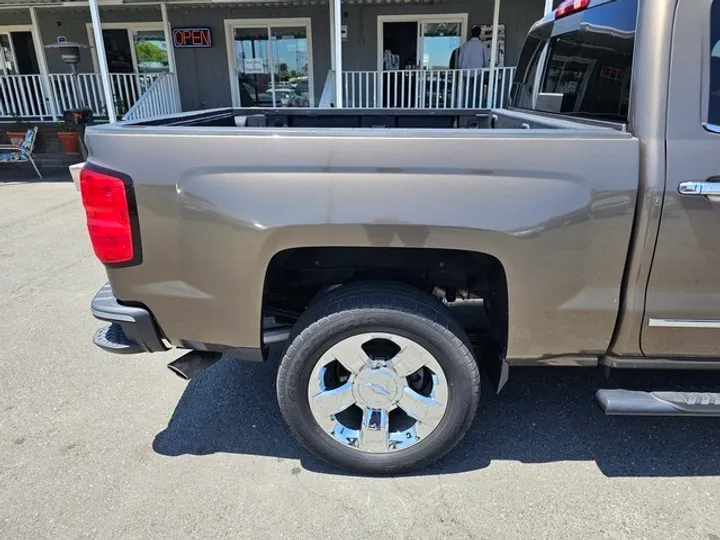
(23, 95)
(161, 98)
(27, 95)
(427, 88)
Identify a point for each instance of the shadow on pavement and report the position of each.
(543, 415)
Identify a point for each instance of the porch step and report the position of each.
(665, 403)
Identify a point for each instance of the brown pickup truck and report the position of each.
(395, 254)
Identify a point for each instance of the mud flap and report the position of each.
(494, 364)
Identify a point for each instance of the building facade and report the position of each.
(278, 53)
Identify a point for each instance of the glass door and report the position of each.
(132, 48)
(253, 66)
(118, 51)
(290, 66)
(417, 51)
(272, 65)
(23, 94)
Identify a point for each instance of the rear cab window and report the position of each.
(714, 101)
(581, 64)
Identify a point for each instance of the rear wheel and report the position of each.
(378, 378)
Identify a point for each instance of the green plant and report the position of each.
(121, 108)
(64, 127)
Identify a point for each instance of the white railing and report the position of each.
(427, 88)
(85, 89)
(26, 95)
(161, 98)
(23, 95)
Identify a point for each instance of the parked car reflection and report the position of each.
(258, 92)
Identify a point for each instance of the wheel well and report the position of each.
(472, 284)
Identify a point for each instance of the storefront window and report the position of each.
(150, 50)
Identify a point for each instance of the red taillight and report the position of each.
(570, 6)
(107, 207)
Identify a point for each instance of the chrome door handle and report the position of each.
(699, 188)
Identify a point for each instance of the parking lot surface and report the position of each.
(100, 446)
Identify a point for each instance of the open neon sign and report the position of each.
(192, 38)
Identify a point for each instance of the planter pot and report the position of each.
(16, 137)
(69, 142)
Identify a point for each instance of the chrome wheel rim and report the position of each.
(378, 392)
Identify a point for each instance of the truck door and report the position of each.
(682, 310)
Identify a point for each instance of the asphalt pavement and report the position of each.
(100, 446)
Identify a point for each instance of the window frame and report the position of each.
(707, 83)
(129, 27)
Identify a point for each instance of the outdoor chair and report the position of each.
(21, 153)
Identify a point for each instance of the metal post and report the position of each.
(102, 60)
(337, 32)
(42, 64)
(493, 54)
(548, 6)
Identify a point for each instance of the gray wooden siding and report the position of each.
(204, 73)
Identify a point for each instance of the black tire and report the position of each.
(379, 307)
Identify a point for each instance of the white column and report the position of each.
(170, 53)
(42, 64)
(548, 6)
(493, 54)
(336, 31)
(168, 37)
(102, 60)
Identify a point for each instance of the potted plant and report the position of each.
(17, 129)
(68, 137)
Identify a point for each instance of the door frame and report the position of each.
(462, 18)
(231, 24)
(128, 27)
(9, 29)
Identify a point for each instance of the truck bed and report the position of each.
(219, 198)
(372, 118)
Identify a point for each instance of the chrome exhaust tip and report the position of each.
(193, 363)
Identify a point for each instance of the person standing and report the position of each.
(473, 54)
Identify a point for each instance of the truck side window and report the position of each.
(588, 69)
(522, 90)
(714, 105)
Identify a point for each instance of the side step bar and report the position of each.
(638, 403)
